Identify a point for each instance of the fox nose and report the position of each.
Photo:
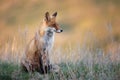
(59, 31)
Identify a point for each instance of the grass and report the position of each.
(80, 63)
(80, 70)
(76, 62)
(69, 71)
(10, 71)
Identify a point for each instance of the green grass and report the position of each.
(69, 71)
(10, 71)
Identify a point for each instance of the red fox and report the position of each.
(38, 50)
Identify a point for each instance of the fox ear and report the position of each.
(47, 16)
(55, 14)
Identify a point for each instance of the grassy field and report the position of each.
(77, 62)
(80, 64)
(69, 71)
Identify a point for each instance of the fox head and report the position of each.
(50, 21)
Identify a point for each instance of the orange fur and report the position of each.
(37, 51)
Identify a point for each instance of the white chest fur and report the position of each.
(48, 42)
(48, 39)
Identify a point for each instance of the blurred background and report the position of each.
(87, 49)
(94, 23)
